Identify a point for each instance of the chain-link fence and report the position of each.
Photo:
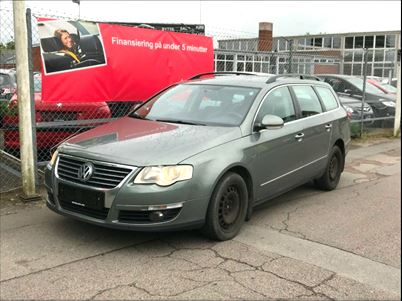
(327, 58)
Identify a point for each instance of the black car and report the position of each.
(383, 105)
(355, 110)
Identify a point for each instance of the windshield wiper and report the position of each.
(180, 121)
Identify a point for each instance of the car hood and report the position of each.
(143, 142)
(40, 105)
(352, 102)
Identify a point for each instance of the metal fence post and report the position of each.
(364, 89)
(24, 102)
(397, 120)
(290, 55)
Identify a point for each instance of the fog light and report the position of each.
(156, 216)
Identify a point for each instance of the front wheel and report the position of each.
(227, 208)
(332, 174)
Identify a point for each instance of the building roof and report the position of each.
(322, 35)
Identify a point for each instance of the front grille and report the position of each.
(95, 213)
(49, 116)
(104, 175)
(142, 217)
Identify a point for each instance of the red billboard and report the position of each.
(86, 61)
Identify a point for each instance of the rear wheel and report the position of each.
(227, 208)
(330, 178)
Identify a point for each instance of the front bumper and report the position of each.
(131, 207)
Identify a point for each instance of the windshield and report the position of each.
(199, 104)
(370, 88)
(389, 88)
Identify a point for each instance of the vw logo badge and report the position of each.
(85, 171)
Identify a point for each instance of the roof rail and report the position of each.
(222, 73)
(300, 76)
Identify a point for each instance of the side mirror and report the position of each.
(269, 122)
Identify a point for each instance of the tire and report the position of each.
(227, 208)
(330, 179)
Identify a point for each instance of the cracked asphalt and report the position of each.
(306, 244)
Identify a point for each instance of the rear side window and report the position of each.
(278, 102)
(327, 98)
(308, 101)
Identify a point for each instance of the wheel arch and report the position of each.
(243, 171)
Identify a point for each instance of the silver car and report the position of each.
(202, 154)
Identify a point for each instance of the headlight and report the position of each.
(54, 157)
(164, 175)
(389, 103)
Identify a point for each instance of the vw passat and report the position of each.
(202, 154)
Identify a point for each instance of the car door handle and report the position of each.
(328, 127)
(299, 136)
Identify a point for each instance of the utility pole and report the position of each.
(397, 121)
(365, 52)
(24, 102)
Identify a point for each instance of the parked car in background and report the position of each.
(55, 121)
(384, 87)
(202, 154)
(355, 110)
(383, 104)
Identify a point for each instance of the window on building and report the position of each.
(379, 41)
(257, 67)
(357, 69)
(229, 66)
(390, 55)
(359, 42)
(369, 69)
(349, 42)
(282, 45)
(318, 42)
(369, 42)
(378, 72)
(243, 45)
(328, 42)
(347, 69)
(390, 41)
(358, 56)
(370, 55)
(220, 66)
(379, 55)
(240, 66)
(309, 43)
(301, 44)
(336, 42)
(348, 56)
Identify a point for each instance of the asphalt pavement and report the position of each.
(306, 244)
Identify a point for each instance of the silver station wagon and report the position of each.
(202, 153)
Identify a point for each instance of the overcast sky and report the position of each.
(239, 18)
